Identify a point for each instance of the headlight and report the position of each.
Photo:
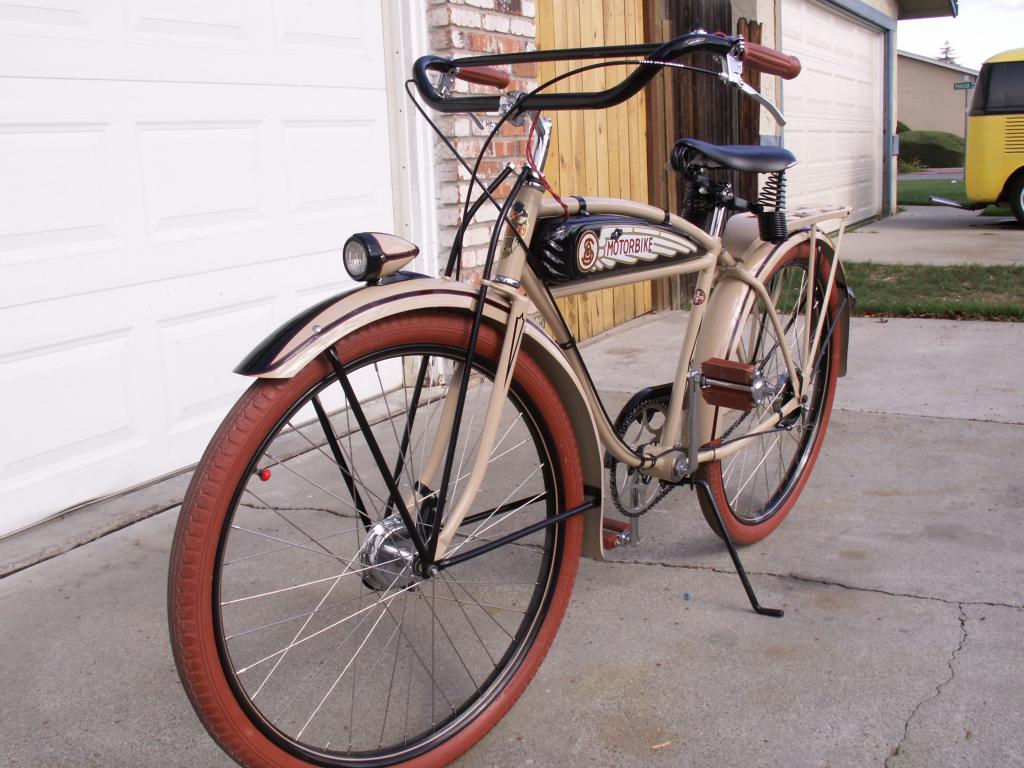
(361, 262)
(370, 255)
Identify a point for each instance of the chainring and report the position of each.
(638, 425)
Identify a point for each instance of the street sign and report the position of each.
(966, 85)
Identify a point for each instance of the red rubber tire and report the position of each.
(194, 552)
(741, 531)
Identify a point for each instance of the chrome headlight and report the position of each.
(362, 257)
(370, 255)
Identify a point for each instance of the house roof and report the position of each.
(937, 62)
(926, 9)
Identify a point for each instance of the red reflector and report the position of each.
(263, 474)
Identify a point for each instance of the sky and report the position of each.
(982, 29)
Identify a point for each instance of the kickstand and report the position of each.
(702, 487)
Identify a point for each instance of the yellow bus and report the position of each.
(994, 168)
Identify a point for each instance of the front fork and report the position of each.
(448, 429)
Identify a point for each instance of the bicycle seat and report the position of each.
(739, 157)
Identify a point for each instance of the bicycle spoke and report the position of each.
(339, 459)
(310, 583)
(477, 603)
(445, 631)
(307, 638)
(391, 683)
(469, 621)
(296, 617)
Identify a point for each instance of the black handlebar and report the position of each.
(694, 42)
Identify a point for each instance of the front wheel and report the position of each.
(1017, 198)
(302, 629)
(757, 486)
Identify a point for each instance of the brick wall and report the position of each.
(459, 28)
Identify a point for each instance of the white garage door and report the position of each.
(176, 177)
(834, 108)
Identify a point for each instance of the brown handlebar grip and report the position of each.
(493, 76)
(770, 61)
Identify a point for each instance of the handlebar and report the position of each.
(770, 61)
(482, 70)
(498, 78)
(693, 42)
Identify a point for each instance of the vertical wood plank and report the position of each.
(596, 152)
(583, 315)
(617, 140)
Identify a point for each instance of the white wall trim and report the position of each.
(412, 142)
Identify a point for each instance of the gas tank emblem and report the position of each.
(586, 251)
(619, 246)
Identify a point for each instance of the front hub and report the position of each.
(387, 555)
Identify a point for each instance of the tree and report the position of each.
(947, 53)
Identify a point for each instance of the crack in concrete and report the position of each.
(938, 689)
(817, 580)
(80, 540)
(263, 507)
(901, 414)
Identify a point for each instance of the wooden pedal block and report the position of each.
(612, 533)
(731, 372)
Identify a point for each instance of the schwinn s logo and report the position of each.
(586, 251)
(626, 246)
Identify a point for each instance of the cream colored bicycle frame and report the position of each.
(735, 282)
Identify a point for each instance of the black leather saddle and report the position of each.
(689, 153)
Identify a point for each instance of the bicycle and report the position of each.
(345, 588)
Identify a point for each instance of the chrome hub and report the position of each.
(387, 554)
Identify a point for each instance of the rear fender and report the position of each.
(300, 340)
(731, 300)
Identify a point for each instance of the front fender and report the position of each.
(300, 340)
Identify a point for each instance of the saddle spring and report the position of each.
(771, 219)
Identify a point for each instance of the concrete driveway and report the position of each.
(932, 234)
(900, 571)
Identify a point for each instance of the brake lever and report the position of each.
(753, 93)
(732, 73)
(507, 102)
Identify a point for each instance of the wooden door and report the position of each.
(596, 152)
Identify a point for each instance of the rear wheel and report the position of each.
(757, 486)
(300, 629)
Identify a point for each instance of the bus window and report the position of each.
(1000, 89)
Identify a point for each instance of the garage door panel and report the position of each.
(52, 424)
(834, 108)
(62, 201)
(201, 19)
(203, 341)
(334, 167)
(323, 44)
(54, 15)
(319, 24)
(203, 178)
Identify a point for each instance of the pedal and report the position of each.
(615, 533)
(730, 384)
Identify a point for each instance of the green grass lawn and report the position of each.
(963, 292)
(919, 192)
